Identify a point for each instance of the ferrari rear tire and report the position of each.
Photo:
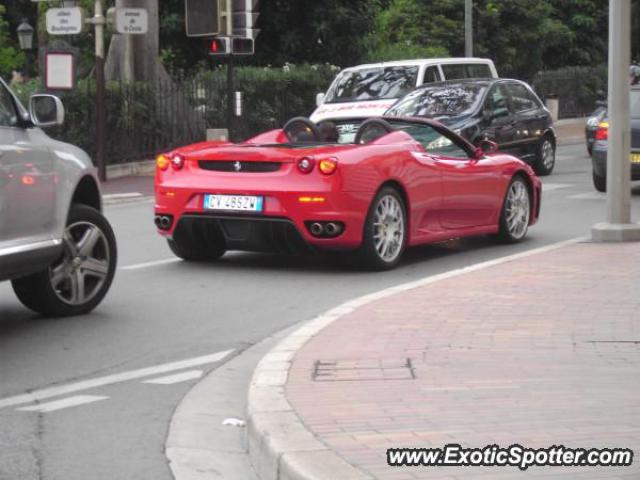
(197, 243)
(385, 231)
(516, 212)
(545, 157)
(599, 182)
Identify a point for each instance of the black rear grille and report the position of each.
(239, 166)
(246, 233)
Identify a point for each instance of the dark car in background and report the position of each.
(599, 152)
(504, 111)
(593, 123)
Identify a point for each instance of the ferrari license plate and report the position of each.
(635, 158)
(234, 203)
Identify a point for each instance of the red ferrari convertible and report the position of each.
(401, 182)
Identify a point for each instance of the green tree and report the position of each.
(310, 31)
(416, 29)
(517, 33)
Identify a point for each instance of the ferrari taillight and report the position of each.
(603, 131)
(328, 165)
(162, 162)
(177, 161)
(305, 164)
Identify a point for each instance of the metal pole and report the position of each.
(468, 28)
(128, 58)
(230, 98)
(619, 143)
(99, 22)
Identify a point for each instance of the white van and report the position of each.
(369, 90)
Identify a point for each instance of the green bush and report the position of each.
(270, 95)
(577, 88)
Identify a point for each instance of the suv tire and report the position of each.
(80, 278)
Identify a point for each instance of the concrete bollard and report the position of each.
(552, 103)
(217, 134)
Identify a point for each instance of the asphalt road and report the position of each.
(113, 424)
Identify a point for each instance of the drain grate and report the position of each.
(632, 342)
(362, 370)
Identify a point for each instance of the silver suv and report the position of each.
(55, 246)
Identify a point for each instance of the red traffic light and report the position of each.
(220, 46)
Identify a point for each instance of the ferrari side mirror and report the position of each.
(485, 146)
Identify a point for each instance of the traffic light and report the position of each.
(202, 18)
(242, 46)
(220, 46)
(245, 14)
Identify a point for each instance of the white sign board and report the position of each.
(59, 71)
(65, 21)
(132, 20)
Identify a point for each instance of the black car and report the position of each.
(599, 149)
(507, 112)
(593, 123)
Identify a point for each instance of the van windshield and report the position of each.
(378, 83)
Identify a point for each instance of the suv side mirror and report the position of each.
(46, 110)
(319, 99)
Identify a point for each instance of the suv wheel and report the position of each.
(77, 281)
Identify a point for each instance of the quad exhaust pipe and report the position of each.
(325, 229)
(316, 229)
(332, 229)
(163, 222)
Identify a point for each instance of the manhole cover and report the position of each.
(363, 370)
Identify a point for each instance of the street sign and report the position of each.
(59, 71)
(65, 21)
(202, 18)
(245, 15)
(131, 20)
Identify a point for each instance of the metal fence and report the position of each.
(577, 88)
(144, 119)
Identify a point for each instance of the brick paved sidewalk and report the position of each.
(540, 351)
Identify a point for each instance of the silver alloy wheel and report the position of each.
(388, 228)
(83, 269)
(517, 209)
(548, 154)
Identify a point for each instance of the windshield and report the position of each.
(635, 103)
(449, 100)
(372, 84)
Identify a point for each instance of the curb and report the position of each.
(131, 169)
(280, 445)
(571, 141)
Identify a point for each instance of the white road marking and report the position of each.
(64, 403)
(177, 378)
(548, 187)
(155, 263)
(589, 196)
(119, 196)
(37, 395)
